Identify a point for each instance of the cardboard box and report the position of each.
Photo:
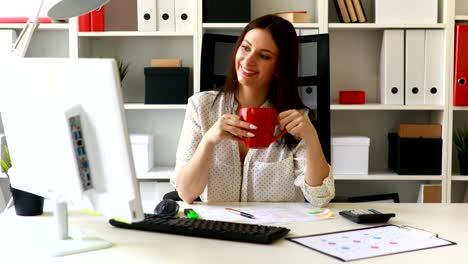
(406, 12)
(350, 155)
(430, 193)
(142, 150)
(420, 131)
(352, 97)
(414, 156)
(166, 85)
(166, 63)
(216, 11)
(296, 17)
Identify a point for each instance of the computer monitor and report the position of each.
(314, 75)
(67, 136)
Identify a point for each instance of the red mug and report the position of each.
(266, 120)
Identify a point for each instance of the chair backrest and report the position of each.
(314, 75)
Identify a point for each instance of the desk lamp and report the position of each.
(62, 10)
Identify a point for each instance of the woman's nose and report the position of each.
(249, 59)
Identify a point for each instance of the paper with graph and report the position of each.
(371, 242)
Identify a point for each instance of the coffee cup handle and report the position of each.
(279, 135)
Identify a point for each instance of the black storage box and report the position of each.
(217, 11)
(414, 156)
(166, 85)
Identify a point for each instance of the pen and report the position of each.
(232, 210)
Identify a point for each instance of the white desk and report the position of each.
(450, 221)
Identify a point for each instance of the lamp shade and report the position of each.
(72, 8)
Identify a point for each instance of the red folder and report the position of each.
(23, 19)
(97, 19)
(460, 86)
(84, 23)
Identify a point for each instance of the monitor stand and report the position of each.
(63, 244)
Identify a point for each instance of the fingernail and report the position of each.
(252, 126)
(250, 134)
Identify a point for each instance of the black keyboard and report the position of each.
(207, 228)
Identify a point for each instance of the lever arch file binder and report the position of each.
(147, 16)
(166, 19)
(460, 92)
(391, 67)
(414, 66)
(433, 68)
(183, 15)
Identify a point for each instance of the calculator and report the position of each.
(366, 216)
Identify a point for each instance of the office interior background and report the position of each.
(355, 64)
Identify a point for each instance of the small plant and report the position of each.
(5, 161)
(460, 139)
(123, 68)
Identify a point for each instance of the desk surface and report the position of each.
(450, 221)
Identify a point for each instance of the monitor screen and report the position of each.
(66, 131)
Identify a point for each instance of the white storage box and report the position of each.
(406, 11)
(350, 155)
(142, 149)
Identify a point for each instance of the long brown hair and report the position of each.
(283, 93)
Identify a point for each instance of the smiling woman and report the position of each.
(214, 162)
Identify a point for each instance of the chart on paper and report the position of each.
(265, 215)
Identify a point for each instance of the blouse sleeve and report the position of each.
(190, 138)
(318, 196)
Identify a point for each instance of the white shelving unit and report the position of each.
(354, 58)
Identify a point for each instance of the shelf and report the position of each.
(461, 18)
(155, 106)
(459, 177)
(158, 173)
(460, 108)
(134, 34)
(388, 175)
(385, 107)
(45, 26)
(382, 26)
(228, 26)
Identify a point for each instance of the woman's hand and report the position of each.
(296, 124)
(229, 126)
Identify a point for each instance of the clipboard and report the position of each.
(356, 244)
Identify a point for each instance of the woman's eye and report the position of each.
(245, 48)
(265, 56)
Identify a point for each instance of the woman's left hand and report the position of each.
(296, 123)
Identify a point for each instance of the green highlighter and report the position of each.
(191, 214)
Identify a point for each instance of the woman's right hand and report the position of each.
(229, 126)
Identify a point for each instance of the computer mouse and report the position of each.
(167, 208)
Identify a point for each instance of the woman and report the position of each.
(212, 160)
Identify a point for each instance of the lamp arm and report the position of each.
(22, 42)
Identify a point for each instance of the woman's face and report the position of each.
(256, 59)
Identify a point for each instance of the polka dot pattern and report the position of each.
(273, 174)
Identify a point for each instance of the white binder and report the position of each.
(392, 67)
(434, 69)
(166, 19)
(184, 15)
(7, 38)
(147, 15)
(414, 67)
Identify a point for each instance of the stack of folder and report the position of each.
(412, 67)
(92, 21)
(165, 15)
